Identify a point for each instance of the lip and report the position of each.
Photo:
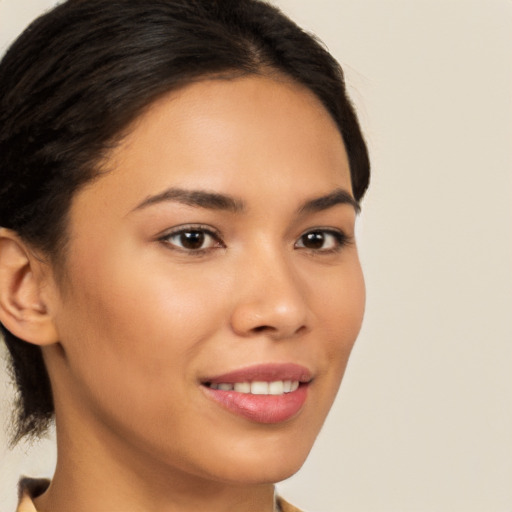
(265, 409)
(264, 372)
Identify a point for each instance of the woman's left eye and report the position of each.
(322, 240)
(193, 239)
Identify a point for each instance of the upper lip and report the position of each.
(263, 372)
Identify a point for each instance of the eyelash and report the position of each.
(337, 238)
(204, 231)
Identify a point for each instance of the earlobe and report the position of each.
(23, 310)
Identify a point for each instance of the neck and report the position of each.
(96, 472)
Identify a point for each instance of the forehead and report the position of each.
(248, 135)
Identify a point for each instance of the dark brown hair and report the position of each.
(79, 75)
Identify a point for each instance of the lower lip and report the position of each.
(261, 408)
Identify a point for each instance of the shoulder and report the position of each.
(284, 506)
(28, 489)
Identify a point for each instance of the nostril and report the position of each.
(273, 330)
(270, 316)
(302, 329)
(263, 328)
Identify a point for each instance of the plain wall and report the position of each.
(423, 421)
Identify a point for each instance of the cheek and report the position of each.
(338, 307)
(341, 300)
(131, 330)
(340, 310)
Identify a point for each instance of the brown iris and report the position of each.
(192, 240)
(313, 240)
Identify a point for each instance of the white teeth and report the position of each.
(259, 388)
(277, 387)
(243, 387)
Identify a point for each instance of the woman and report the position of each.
(179, 280)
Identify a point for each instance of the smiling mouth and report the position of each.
(267, 393)
(275, 388)
(260, 401)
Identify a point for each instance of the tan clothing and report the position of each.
(31, 488)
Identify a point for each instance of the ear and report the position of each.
(23, 280)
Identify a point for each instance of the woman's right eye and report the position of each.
(193, 239)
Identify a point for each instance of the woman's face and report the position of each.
(217, 252)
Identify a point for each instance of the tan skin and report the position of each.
(141, 318)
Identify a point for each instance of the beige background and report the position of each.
(424, 418)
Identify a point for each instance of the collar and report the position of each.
(30, 488)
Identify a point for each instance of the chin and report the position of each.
(265, 466)
(267, 473)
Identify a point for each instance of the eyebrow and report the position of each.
(218, 201)
(199, 198)
(338, 196)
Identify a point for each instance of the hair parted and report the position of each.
(79, 75)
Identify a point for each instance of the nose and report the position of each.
(270, 300)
